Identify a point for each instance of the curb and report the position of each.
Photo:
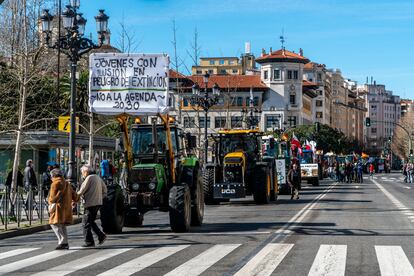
(30, 230)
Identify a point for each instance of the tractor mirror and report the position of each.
(272, 143)
(191, 141)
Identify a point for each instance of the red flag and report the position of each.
(295, 142)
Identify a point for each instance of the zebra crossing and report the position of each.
(329, 259)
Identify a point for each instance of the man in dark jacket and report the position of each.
(294, 180)
(30, 181)
(30, 184)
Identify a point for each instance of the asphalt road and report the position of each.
(333, 229)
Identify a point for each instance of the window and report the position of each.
(373, 130)
(199, 72)
(273, 121)
(276, 74)
(201, 122)
(212, 62)
(319, 115)
(210, 71)
(319, 103)
(247, 101)
(189, 122)
(221, 61)
(220, 122)
(235, 71)
(265, 75)
(292, 99)
(320, 92)
(236, 121)
(185, 102)
(319, 77)
(292, 120)
(290, 74)
(295, 74)
(256, 101)
(223, 72)
(239, 101)
(231, 62)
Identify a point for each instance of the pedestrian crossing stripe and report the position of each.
(393, 261)
(329, 260)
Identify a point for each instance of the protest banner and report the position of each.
(135, 84)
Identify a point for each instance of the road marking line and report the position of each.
(393, 199)
(16, 252)
(406, 187)
(330, 260)
(144, 261)
(81, 263)
(11, 267)
(202, 262)
(393, 261)
(266, 261)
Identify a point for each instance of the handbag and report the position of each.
(52, 207)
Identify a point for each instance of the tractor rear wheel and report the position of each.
(262, 186)
(208, 186)
(112, 210)
(197, 210)
(180, 208)
(274, 186)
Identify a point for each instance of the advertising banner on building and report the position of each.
(135, 84)
(281, 171)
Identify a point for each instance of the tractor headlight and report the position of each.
(152, 186)
(135, 186)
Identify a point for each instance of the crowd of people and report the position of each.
(348, 172)
(408, 172)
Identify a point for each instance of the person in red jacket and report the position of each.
(371, 170)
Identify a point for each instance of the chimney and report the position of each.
(301, 52)
(270, 50)
(247, 48)
(263, 52)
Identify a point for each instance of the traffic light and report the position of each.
(368, 121)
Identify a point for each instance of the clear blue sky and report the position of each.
(362, 38)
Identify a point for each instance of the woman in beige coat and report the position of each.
(61, 194)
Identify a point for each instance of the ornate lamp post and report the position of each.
(205, 102)
(252, 113)
(73, 45)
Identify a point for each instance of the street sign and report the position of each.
(135, 84)
(64, 124)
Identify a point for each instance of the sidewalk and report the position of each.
(25, 229)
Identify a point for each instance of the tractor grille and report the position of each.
(143, 175)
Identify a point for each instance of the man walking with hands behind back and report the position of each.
(92, 190)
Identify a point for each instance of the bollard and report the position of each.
(6, 211)
(30, 195)
(41, 203)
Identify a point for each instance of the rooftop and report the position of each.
(282, 55)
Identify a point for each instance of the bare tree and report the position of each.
(400, 141)
(127, 38)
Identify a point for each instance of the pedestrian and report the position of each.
(92, 190)
(342, 172)
(371, 170)
(410, 169)
(337, 172)
(10, 177)
(30, 183)
(46, 181)
(294, 181)
(105, 172)
(359, 173)
(60, 202)
(405, 172)
(348, 172)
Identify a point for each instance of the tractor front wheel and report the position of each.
(112, 210)
(262, 186)
(180, 208)
(208, 186)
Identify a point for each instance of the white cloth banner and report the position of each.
(135, 84)
(281, 171)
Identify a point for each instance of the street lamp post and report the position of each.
(205, 102)
(73, 45)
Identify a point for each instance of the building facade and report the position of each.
(384, 110)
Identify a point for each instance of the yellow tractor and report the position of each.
(238, 169)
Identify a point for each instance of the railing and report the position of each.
(27, 208)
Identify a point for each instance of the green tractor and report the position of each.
(238, 169)
(160, 176)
